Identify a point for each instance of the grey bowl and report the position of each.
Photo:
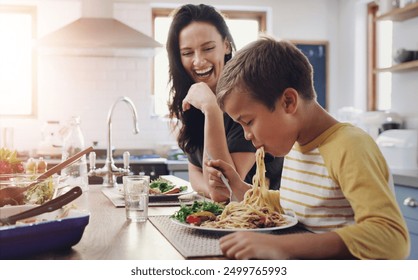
(403, 55)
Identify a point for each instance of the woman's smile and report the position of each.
(204, 73)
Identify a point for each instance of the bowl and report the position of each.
(14, 191)
(54, 231)
(403, 55)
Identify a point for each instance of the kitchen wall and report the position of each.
(87, 86)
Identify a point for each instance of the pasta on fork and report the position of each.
(256, 210)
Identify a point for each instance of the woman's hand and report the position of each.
(217, 188)
(201, 97)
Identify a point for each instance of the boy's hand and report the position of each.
(216, 168)
(252, 245)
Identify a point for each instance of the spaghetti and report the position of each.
(256, 210)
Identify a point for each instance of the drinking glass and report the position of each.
(136, 188)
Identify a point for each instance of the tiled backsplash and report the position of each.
(88, 86)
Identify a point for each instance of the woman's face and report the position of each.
(202, 52)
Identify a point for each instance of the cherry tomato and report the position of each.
(191, 219)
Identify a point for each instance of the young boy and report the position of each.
(334, 179)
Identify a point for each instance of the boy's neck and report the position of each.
(315, 120)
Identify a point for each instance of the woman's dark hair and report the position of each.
(191, 132)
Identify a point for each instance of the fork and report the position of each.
(225, 181)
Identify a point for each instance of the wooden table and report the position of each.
(109, 236)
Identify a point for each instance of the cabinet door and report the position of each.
(403, 193)
(411, 215)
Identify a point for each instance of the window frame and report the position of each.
(32, 12)
(372, 93)
(260, 16)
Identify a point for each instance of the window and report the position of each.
(17, 61)
(380, 56)
(245, 27)
(384, 59)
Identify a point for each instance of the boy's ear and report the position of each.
(290, 100)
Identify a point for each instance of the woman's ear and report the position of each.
(290, 100)
(228, 47)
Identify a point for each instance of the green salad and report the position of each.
(197, 206)
(162, 186)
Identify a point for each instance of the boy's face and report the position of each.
(275, 130)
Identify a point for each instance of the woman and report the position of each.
(199, 44)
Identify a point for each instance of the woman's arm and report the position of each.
(197, 181)
(215, 143)
(217, 147)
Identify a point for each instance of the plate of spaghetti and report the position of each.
(258, 211)
(286, 220)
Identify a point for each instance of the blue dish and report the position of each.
(25, 241)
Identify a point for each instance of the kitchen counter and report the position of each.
(176, 165)
(153, 166)
(178, 168)
(405, 177)
(400, 177)
(109, 236)
(100, 162)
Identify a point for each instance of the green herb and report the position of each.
(197, 206)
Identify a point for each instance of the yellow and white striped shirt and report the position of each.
(340, 182)
(308, 190)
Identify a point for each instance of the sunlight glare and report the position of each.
(15, 64)
(384, 79)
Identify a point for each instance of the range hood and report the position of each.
(98, 35)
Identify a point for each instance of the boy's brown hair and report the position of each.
(264, 69)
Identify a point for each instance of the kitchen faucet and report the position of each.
(109, 171)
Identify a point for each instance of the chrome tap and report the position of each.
(109, 171)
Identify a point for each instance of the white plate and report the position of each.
(291, 221)
(187, 191)
(173, 180)
(176, 181)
